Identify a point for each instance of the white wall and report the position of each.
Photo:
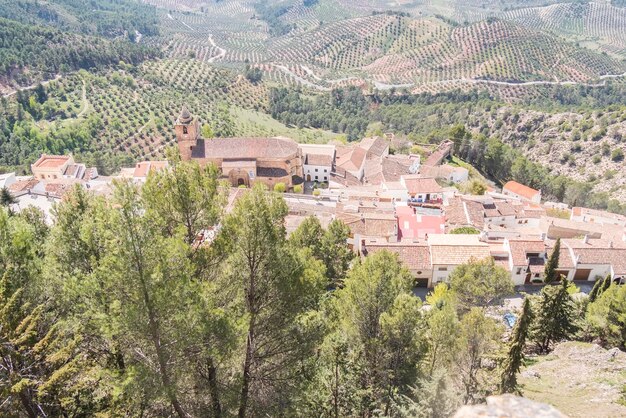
(322, 176)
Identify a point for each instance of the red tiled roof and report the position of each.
(520, 189)
(519, 249)
(416, 185)
(143, 168)
(51, 161)
(319, 159)
(413, 256)
(245, 148)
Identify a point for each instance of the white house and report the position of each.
(422, 189)
(521, 191)
(318, 161)
(527, 258)
(7, 179)
(448, 251)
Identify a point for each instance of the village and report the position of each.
(397, 203)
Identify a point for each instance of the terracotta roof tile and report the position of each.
(520, 189)
(413, 256)
(244, 148)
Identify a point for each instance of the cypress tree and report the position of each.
(515, 355)
(605, 284)
(555, 316)
(595, 292)
(552, 263)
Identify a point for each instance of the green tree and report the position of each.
(515, 353)
(149, 275)
(336, 254)
(479, 340)
(442, 333)
(185, 196)
(6, 198)
(607, 317)
(382, 322)
(554, 317)
(480, 283)
(309, 234)
(552, 263)
(434, 397)
(280, 188)
(274, 286)
(597, 286)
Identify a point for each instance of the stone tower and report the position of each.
(187, 133)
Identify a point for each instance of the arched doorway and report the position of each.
(308, 177)
(240, 182)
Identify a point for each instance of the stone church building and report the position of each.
(243, 161)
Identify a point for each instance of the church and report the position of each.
(243, 161)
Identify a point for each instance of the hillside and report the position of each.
(580, 379)
(328, 44)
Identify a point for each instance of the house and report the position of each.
(413, 225)
(142, 169)
(383, 226)
(413, 255)
(422, 189)
(351, 160)
(318, 161)
(56, 167)
(446, 172)
(601, 217)
(522, 192)
(589, 259)
(526, 259)
(51, 167)
(443, 151)
(243, 161)
(7, 180)
(375, 148)
(448, 251)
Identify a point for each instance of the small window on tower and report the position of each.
(185, 132)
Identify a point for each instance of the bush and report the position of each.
(316, 192)
(280, 188)
(617, 155)
(465, 230)
(297, 188)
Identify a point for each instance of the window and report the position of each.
(442, 268)
(519, 270)
(185, 131)
(316, 170)
(325, 171)
(315, 177)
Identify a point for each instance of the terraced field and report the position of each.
(332, 43)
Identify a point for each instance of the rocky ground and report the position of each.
(577, 145)
(579, 379)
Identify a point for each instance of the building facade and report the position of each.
(243, 161)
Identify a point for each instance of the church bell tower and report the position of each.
(187, 132)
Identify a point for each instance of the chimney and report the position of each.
(610, 244)
(586, 239)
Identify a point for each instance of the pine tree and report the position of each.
(515, 355)
(552, 263)
(6, 198)
(555, 316)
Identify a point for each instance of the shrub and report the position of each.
(617, 155)
(297, 188)
(280, 188)
(465, 230)
(316, 192)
